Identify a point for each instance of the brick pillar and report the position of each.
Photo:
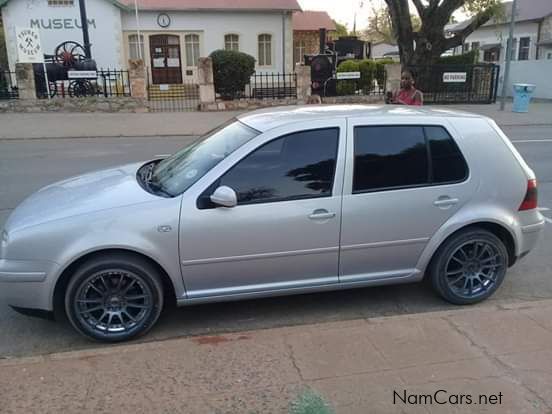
(393, 77)
(303, 81)
(206, 81)
(137, 78)
(24, 74)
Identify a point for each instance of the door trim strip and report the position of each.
(384, 244)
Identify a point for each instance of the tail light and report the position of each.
(530, 200)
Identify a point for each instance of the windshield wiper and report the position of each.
(157, 187)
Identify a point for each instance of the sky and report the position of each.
(344, 10)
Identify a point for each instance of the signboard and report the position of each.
(163, 87)
(82, 74)
(451, 77)
(28, 45)
(348, 75)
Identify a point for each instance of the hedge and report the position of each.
(232, 71)
(370, 70)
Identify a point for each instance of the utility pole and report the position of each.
(509, 50)
(84, 23)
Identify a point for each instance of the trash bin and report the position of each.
(522, 96)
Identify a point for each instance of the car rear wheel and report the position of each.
(469, 267)
(114, 298)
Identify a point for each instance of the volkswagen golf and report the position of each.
(275, 202)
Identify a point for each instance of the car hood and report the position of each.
(100, 190)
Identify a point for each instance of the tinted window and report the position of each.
(299, 165)
(389, 156)
(447, 161)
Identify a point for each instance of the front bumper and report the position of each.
(27, 283)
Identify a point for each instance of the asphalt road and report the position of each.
(27, 165)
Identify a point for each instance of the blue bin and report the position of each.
(522, 96)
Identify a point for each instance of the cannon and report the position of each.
(68, 56)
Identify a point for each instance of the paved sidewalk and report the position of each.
(502, 353)
(84, 125)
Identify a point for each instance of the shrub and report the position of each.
(380, 71)
(468, 58)
(348, 87)
(232, 71)
(367, 75)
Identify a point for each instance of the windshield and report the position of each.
(177, 173)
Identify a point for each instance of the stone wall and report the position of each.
(88, 104)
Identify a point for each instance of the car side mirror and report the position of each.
(224, 196)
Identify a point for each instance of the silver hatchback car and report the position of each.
(275, 202)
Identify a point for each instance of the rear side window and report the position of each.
(391, 157)
(446, 159)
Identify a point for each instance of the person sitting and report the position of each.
(407, 94)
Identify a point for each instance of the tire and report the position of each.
(114, 297)
(469, 267)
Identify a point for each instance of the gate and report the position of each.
(173, 97)
(456, 84)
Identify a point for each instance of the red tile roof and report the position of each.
(213, 4)
(312, 20)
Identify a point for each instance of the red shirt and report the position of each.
(409, 97)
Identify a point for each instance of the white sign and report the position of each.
(451, 77)
(348, 75)
(163, 87)
(82, 74)
(28, 45)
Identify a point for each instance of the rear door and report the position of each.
(402, 183)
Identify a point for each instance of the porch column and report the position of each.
(206, 81)
(24, 74)
(137, 78)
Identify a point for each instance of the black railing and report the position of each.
(272, 86)
(444, 84)
(8, 85)
(108, 83)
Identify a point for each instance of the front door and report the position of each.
(284, 232)
(404, 183)
(166, 66)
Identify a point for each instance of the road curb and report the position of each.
(225, 337)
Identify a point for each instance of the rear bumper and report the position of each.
(27, 283)
(530, 235)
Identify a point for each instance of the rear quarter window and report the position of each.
(448, 163)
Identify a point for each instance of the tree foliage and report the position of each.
(380, 27)
(341, 29)
(3, 50)
(426, 44)
(232, 71)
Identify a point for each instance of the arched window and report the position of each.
(135, 47)
(191, 42)
(265, 50)
(232, 42)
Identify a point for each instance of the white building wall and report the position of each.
(380, 49)
(536, 72)
(59, 24)
(212, 26)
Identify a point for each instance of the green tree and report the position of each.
(426, 44)
(380, 27)
(341, 29)
(3, 50)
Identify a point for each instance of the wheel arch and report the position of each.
(62, 281)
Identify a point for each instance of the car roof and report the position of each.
(266, 119)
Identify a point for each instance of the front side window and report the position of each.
(296, 166)
(524, 46)
(232, 42)
(176, 174)
(191, 42)
(265, 50)
(392, 157)
(135, 47)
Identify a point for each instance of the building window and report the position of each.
(61, 3)
(524, 46)
(135, 47)
(475, 45)
(232, 42)
(466, 48)
(492, 55)
(300, 50)
(265, 50)
(191, 42)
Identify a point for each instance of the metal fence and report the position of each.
(373, 85)
(271, 86)
(8, 85)
(446, 84)
(108, 83)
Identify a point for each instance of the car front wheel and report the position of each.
(114, 297)
(469, 267)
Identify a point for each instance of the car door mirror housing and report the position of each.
(224, 196)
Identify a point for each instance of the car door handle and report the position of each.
(445, 202)
(321, 214)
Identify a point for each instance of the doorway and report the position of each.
(166, 63)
